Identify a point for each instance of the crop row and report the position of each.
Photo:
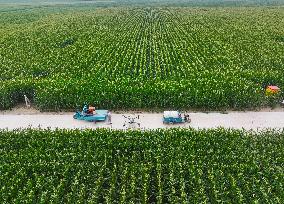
(132, 93)
(212, 56)
(162, 166)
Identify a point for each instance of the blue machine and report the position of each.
(99, 115)
(172, 117)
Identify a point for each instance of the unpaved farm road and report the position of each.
(236, 120)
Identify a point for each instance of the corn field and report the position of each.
(162, 166)
(141, 58)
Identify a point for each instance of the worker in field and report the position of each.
(91, 110)
(85, 110)
(109, 117)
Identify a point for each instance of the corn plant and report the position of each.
(154, 166)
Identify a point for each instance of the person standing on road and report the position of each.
(109, 117)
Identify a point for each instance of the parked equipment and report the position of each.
(172, 117)
(90, 114)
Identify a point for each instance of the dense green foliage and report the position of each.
(141, 58)
(111, 3)
(162, 166)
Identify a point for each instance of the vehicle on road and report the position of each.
(91, 115)
(173, 117)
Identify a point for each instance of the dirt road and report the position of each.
(246, 120)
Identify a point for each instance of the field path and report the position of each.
(246, 120)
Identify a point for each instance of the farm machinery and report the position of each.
(90, 114)
(173, 117)
(131, 122)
